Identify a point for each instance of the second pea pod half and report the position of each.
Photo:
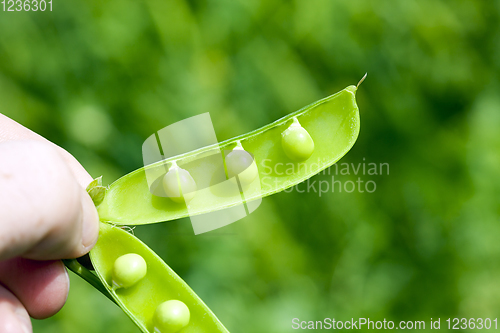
(146, 288)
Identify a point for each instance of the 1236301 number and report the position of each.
(26, 6)
(472, 323)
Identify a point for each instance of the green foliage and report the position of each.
(99, 77)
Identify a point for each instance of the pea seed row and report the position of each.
(296, 143)
(170, 316)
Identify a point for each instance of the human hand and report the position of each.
(45, 215)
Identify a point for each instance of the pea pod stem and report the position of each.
(361, 81)
(74, 266)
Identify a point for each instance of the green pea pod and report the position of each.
(160, 283)
(332, 123)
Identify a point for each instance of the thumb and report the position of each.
(44, 212)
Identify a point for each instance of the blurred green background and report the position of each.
(98, 78)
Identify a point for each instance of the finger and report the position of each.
(44, 212)
(12, 131)
(13, 316)
(41, 286)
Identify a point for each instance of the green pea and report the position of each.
(178, 184)
(128, 269)
(145, 302)
(241, 163)
(171, 316)
(297, 143)
(333, 122)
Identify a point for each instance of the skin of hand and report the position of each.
(45, 215)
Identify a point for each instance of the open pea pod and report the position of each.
(159, 284)
(332, 124)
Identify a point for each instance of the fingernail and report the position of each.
(90, 223)
(23, 321)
